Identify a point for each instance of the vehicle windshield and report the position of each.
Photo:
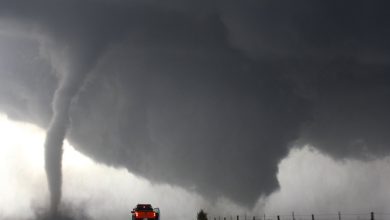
(144, 207)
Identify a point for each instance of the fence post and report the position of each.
(254, 218)
(224, 218)
(312, 216)
(339, 216)
(238, 217)
(372, 216)
(264, 216)
(293, 216)
(278, 217)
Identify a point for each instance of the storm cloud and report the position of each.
(207, 95)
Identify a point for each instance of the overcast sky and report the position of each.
(216, 99)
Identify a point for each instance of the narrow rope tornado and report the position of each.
(56, 133)
(73, 62)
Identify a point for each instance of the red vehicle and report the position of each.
(144, 212)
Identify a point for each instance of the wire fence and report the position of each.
(294, 216)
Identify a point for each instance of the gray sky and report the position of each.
(204, 95)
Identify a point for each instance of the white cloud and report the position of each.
(311, 182)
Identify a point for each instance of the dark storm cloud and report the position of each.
(206, 94)
(336, 54)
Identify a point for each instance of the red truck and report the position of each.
(145, 212)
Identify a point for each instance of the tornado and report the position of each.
(66, 91)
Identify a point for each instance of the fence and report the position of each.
(294, 216)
